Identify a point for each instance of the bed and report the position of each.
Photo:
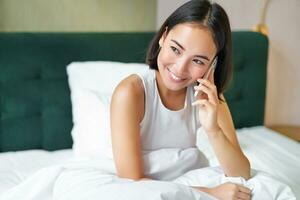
(36, 109)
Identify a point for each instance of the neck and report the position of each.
(173, 100)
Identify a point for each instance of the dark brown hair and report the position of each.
(212, 16)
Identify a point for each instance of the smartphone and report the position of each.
(211, 68)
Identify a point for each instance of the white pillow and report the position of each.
(92, 85)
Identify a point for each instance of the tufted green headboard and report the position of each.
(35, 107)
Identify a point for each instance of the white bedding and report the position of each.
(17, 166)
(266, 150)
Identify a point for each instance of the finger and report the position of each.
(200, 95)
(199, 102)
(197, 92)
(244, 189)
(203, 95)
(211, 94)
(207, 83)
(202, 102)
(244, 196)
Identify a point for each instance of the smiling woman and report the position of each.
(146, 131)
(154, 110)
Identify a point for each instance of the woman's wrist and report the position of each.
(204, 189)
(214, 132)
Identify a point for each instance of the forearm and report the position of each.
(231, 159)
(203, 189)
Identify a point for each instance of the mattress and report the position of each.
(267, 150)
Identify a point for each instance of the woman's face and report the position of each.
(186, 54)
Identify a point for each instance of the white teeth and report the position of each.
(175, 77)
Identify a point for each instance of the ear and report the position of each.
(163, 37)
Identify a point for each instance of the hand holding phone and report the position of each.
(211, 68)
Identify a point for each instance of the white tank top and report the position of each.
(165, 128)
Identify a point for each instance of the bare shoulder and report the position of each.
(131, 86)
(129, 95)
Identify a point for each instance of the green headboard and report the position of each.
(35, 107)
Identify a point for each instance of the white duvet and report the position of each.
(176, 169)
(96, 179)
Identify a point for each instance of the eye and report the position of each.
(175, 50)
(198, 62)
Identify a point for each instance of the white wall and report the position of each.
(283, 20)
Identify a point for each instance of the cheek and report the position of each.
(198, 73)
(165, 57)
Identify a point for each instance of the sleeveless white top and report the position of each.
(165, 128)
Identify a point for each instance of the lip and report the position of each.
(174, 78)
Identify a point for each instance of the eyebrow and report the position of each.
(201, 56)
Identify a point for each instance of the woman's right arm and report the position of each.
(126, 112)
(230, 191)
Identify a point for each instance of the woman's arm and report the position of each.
(226, 145)
(216, 120)
(126, 112)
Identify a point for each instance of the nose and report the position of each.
(181, 66)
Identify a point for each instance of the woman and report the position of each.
(160, 109)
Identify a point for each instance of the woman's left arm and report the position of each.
(226, 146)
(217, 122)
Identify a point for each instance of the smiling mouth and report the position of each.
(174, 77)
